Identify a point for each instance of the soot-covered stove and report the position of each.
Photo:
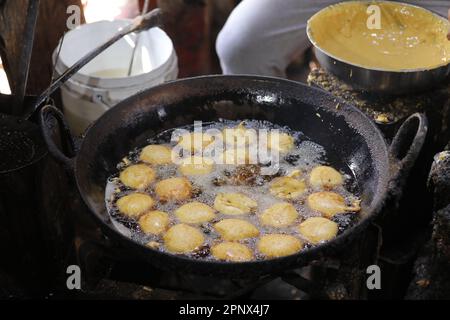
(48, 230)
(393, 243)
(410, 243)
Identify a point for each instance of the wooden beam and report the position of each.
(16, 40)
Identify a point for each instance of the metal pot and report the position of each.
(351, 139)
(379, 80)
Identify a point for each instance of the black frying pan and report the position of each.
(351, 139)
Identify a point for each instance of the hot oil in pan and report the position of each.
(224, 178)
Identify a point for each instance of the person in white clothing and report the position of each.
(262, 37)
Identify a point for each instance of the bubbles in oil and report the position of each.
(303, 157)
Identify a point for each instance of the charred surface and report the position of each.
(431, 278)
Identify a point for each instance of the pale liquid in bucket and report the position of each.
(111, 73)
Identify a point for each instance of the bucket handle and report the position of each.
(103, 100)
(98, 97)
(67, 156)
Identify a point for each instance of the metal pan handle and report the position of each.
(66, 157)
(409, 140)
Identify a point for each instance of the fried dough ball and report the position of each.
(193, 166)
(154, 222)
(239, 135)
(285, 142)
(156, 155)
(287, 188)
(234, 203)
(135, 204)
(236, 229)
(195, 212)
(318, 229)
(182, 238)
(232, 251)
(153, 245)
(295, 174)
(325, 177)
(195, 141)
(237, 156)
(246, 175)
(330, 204)
(279, 215)
(138, 176)
(279, 245)
(174, 189)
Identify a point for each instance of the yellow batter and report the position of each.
(409, 38)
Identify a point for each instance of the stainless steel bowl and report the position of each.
(379, 80)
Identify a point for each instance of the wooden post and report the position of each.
(51, 26)
(188, 27)
(17, 22)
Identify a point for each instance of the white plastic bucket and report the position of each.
(104, 82)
